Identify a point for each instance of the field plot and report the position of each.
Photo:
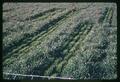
(59, 41)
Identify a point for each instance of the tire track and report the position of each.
(39, 38)
(24, 39)
(33, 36)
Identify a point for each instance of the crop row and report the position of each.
(26, 37)
(93, 58)
(20, 55)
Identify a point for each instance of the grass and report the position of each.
(60, 41)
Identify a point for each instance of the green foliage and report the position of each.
(59, 41)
